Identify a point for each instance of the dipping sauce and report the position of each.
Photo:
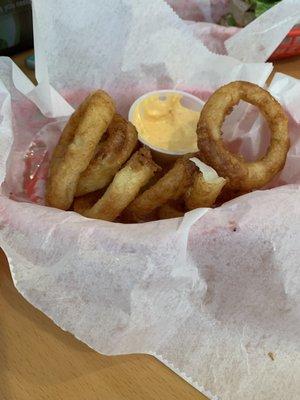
(162, 121)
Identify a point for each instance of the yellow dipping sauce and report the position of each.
(162, 121)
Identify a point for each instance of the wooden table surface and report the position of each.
(38, 361)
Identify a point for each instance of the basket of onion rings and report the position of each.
(149, 197)
(116, 179)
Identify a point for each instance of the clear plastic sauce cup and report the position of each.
(188, 100)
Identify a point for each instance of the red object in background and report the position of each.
(290, 47)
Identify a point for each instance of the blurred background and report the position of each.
(15, 27)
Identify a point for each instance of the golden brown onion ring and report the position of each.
(243, 176)
(206, 187)
(76, 147)
(203, 193)
(170, 210)
(83, 203)
(112, 154)
(170, 187)
(124, 187)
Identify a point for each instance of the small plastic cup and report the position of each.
(188, 101)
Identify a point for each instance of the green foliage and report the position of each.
(262, 6)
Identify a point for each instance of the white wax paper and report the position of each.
(203, 16)
(254, 43)
(200, 10)
(210, 294)
(257, 41)
(130, 47)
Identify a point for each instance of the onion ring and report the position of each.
(203, 193)
(170, 210)
(170, 187)
(243, 176)
(82, 203)
(206, 187)
(111, 155)
(76, 147)
(124, 187)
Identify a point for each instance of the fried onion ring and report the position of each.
(82, 203)
(206, 187)
(124, 187)
(243, 176)
(76, 147)
(112, 154)
(170, 187)
(170, 210)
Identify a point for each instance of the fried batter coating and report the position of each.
(124, 187)
(243, 176)
(112, 154)
(170, 187)
(203, 193)
(170, 210)
(76, 147)
(82, 203)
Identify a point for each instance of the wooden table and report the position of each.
(38, 361)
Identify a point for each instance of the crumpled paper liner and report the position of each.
(203, 16)
(257, 41)
(210, 294)
(200, 10)
(254, 43)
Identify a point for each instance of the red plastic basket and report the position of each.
(290, 47)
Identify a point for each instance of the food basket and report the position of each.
(290, 46)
